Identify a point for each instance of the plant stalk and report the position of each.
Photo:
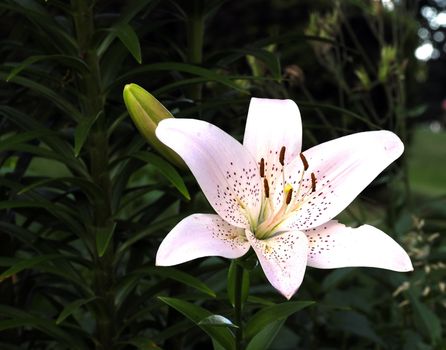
(195, 39)
(92, 101)
(238, 307)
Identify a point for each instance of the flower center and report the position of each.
(272, 216)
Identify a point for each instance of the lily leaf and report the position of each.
(129, 38)
(273, 313)
(71, 308)
(266, 336)
(169, 172)
(103, 237)
(217, 321)
(70, 61)
(81, 132)
(196, 313)
(28, 263)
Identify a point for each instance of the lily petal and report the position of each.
(201, 235)
(224, 169)
(334, 245)
(271, 125)
(283, 259)
(342, 169)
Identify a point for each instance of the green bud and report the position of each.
(146, 112)
(363, 78)
(388, 59)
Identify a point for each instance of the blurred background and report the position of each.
(86, 202)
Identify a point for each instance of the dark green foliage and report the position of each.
(85, 202)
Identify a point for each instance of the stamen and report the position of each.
(313, 183)
(282, 155)
(262, 167)
(304, 161)
(266, 186)
(288, 196)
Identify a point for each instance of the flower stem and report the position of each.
(238, 306)
(195, 37)
(92, 103)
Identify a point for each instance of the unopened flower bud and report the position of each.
(146, 112)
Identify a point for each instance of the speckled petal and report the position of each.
(334, 245)
(272, 124)
(224, 169)
(201, 235)
(283, 259)
(343, 168)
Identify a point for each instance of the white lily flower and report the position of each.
(279, 201)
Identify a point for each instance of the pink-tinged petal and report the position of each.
(342, 169)
(283, 259)
(224, 169)
(271, 125)
(334, 245)
(201, 235)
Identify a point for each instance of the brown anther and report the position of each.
(313, 182)
(304, 161)
(266, 187)
(262, 167)
(282, 156)
(288, 197)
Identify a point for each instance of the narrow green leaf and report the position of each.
(180, 67)
(217, 321)
(69, 61)
(273, 313)
(103, 237)
(177, 275)
(88, 187)
(21, 318)
(263, 339)
(81, 132)
(155, 227)
(169, 172)
(46, 24)
(28, 263)
(62, 149)
(62, 103)
(23, 137)
(64, 213)
(71, 308)
(129, 38)
(196, 313)
(126, 14)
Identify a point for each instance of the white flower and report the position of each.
(279, 201)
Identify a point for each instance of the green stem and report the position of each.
(92, 101)
(195, 38)
(238, 307)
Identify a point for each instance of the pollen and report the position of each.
(266, 186)
(288, 196)
(282, 156)
(262, 167)
(313, 182)
(304, 161)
